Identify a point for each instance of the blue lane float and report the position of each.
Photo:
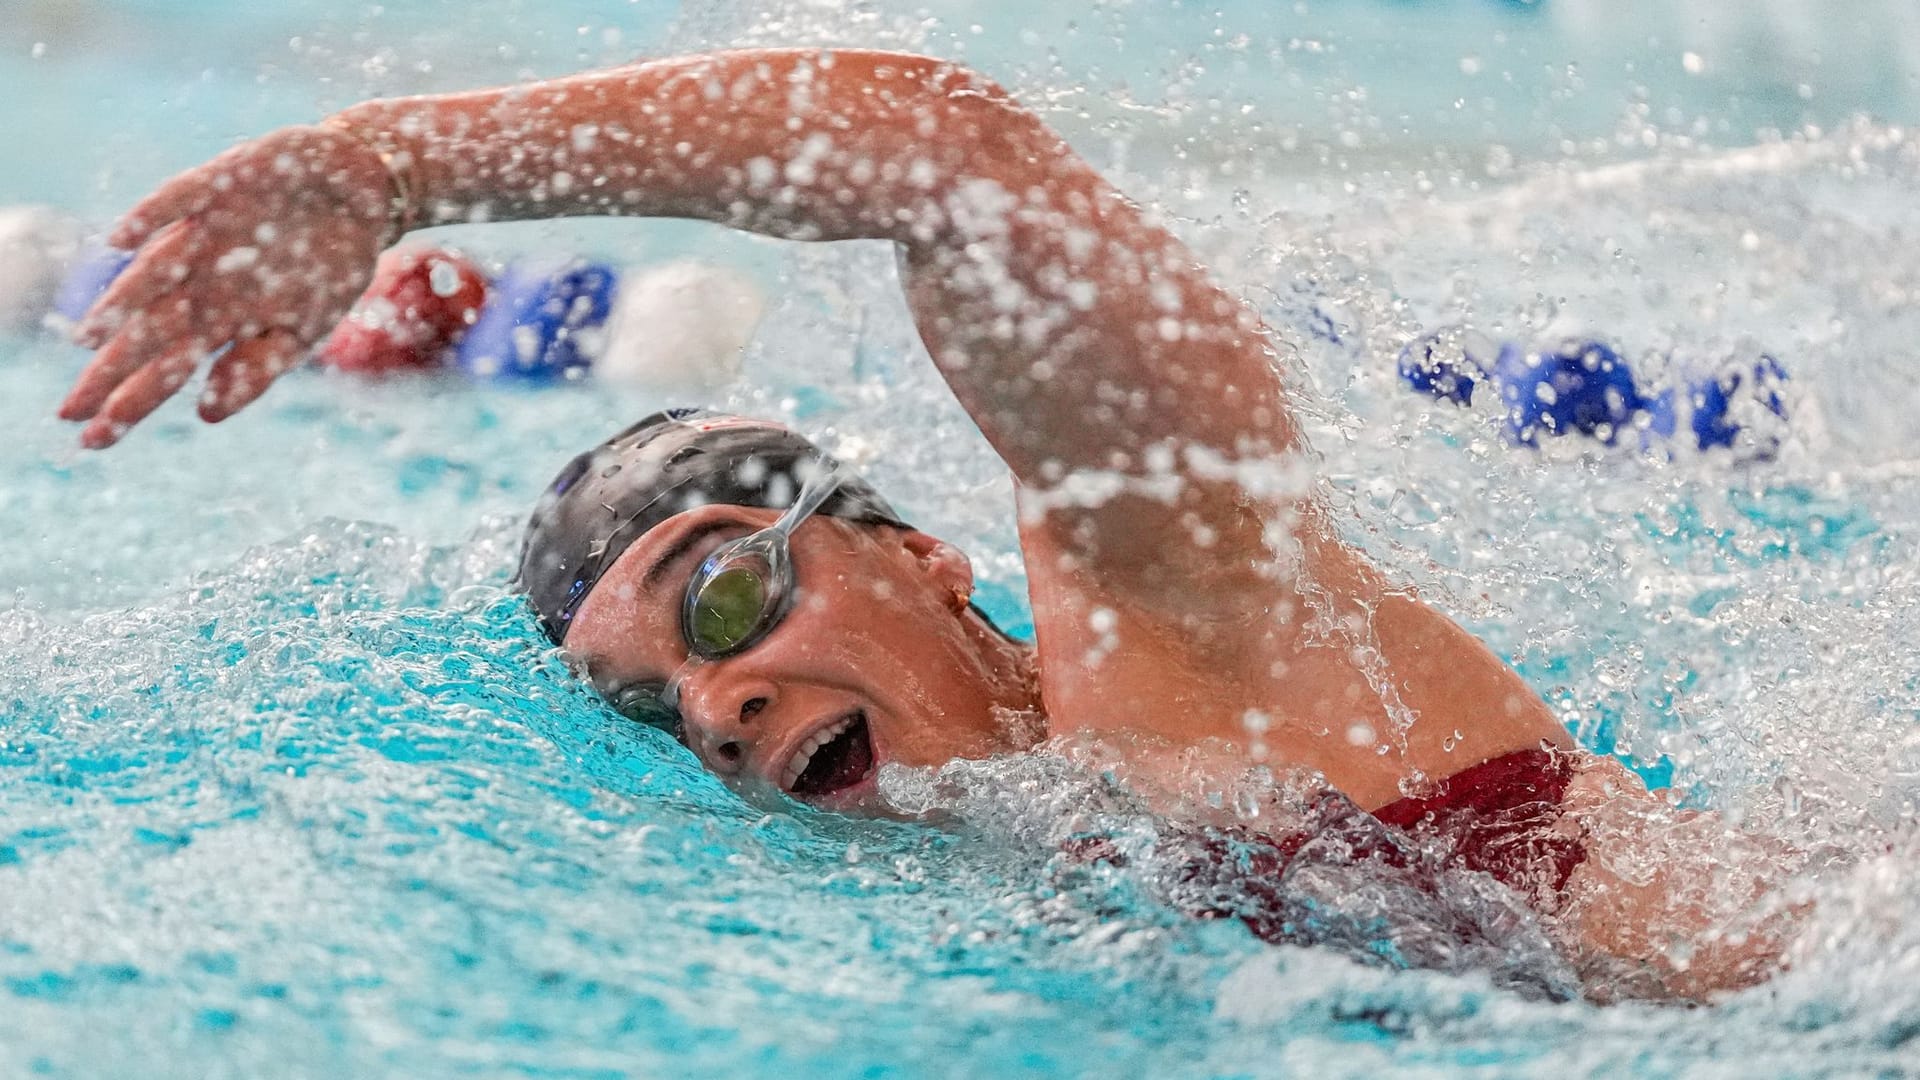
(1711, 403)
(542, 322)
(1433, 368)
(1585, 387)
(1579, 386)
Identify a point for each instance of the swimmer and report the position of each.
(720, 577)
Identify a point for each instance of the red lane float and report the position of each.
(420, 303)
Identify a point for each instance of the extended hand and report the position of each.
(250, 258)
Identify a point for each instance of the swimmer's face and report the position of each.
(879, 659)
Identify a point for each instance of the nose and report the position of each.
(717, 708)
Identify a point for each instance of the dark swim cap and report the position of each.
(669, 463)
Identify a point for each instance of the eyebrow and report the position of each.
(680, 547)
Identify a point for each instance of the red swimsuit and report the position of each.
(1498, 817)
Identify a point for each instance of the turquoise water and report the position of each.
(288, 785)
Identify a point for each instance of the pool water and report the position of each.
(289, 785)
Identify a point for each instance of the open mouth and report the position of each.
(837, 757)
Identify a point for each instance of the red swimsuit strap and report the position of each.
(1502, 785)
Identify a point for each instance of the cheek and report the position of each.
(871, 633)
(856, 600)
(897, 643)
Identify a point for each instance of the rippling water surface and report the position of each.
(288, 785)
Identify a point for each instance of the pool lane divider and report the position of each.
(1583, 386)
(551, 320)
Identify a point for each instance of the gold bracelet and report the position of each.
(398, 164)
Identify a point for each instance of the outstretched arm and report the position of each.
(1079, 333)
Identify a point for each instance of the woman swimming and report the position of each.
(1188, 591)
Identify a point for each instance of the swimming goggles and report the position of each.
(735, 599)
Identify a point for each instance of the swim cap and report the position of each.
(671, 462)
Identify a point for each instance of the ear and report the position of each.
(947, 567)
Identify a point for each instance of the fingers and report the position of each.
(142, 392)
(161, 266)
(144, 335)
(144, 366)
(263, 248)
(245, 372)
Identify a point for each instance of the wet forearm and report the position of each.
(806, 144)
(1072, 326)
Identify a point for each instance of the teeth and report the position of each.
(803, 756)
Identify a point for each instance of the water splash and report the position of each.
(327, 807)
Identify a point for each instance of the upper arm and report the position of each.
(1137, 402)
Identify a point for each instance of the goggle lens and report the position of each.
(729, 608)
